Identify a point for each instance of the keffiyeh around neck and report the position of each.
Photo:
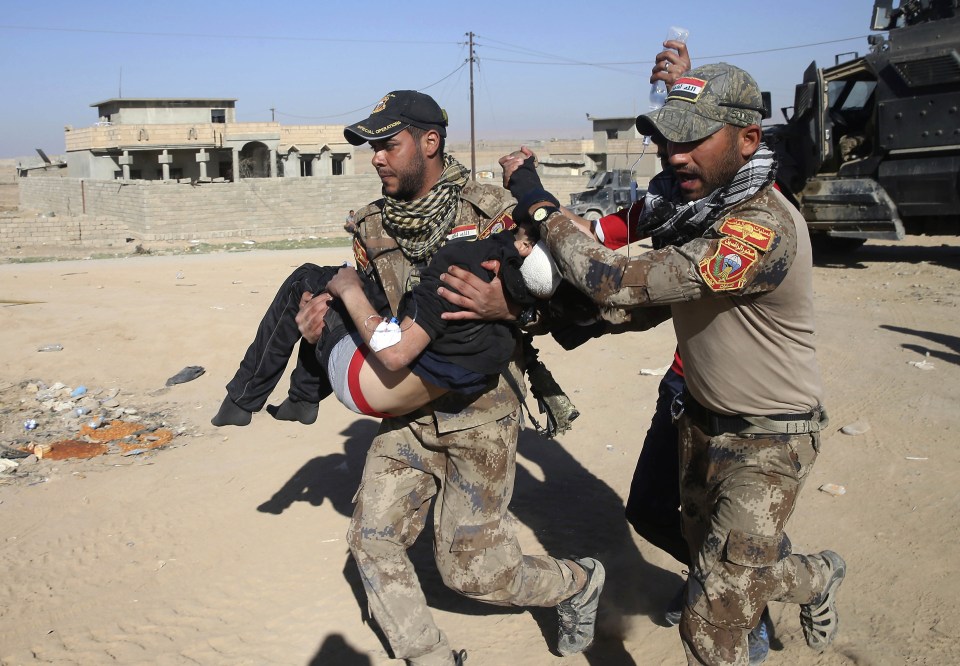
(420, 226)
(668, 223)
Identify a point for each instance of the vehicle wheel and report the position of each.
(592, 215)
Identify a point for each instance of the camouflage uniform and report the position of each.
(741, 299)
(460, 451)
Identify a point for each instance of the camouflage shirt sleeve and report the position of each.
(734, 257)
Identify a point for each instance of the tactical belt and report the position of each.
(715, 424)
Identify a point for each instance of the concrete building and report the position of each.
(617, 144)
(188, 171)
(198, 139)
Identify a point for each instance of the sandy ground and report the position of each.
(227, 546)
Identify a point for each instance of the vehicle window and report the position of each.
(849, 95)
(859, 95)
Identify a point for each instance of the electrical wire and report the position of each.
(479, 41)
(565, 60)
(193, 35)
(367, 106)
(568, 62)
(505, 46)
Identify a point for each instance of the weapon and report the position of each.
(551, 400)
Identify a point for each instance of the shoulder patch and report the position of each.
(727, 269)
(752, 233)
(360, 254)
(502, 222)
(462, 231)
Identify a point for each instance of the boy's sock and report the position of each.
(231, 414)
(295, 410)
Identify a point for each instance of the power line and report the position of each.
(562, 60)
(367, 106)
(270, 38)
(462, 65)
(453, 86)
(786, 48)
(567, 62)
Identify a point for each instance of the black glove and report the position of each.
(526, 188)
(525, 179)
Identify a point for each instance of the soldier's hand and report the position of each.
(310, 317)
(671, 64)
(513, 161)
(476, 298)
(523, 178)
(345, 278)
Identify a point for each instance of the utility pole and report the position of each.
(273, 114)
(473, 143)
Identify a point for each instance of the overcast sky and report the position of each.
(541, 66)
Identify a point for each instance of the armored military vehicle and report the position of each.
(871, 146)
(607, 192)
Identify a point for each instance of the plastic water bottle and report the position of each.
(658, 95)
(658, 90)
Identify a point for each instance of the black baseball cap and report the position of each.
(396, 112)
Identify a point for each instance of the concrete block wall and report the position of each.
(60, 195)
(253, 207)
(256, 207)
(311, 134)
(156, 210)
(8, 171)
(75, 196)
(74, 230)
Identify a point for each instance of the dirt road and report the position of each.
(227, 547)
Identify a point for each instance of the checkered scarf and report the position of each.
(670, 224)
(420, 226)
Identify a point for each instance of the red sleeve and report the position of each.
(614, 231)
(677, 366)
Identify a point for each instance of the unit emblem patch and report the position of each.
(360, 255)
(727, 269)
(755, 234)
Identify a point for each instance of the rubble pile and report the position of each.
(57, 422)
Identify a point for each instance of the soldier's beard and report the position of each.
(410, 180)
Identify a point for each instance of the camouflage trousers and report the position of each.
(470, 476)
(737, 493)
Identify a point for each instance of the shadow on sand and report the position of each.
(571, 511)
(944, 255)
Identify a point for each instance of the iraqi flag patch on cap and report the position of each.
(687, 88)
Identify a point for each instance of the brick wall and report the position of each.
(156, 210)
(73, 230)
